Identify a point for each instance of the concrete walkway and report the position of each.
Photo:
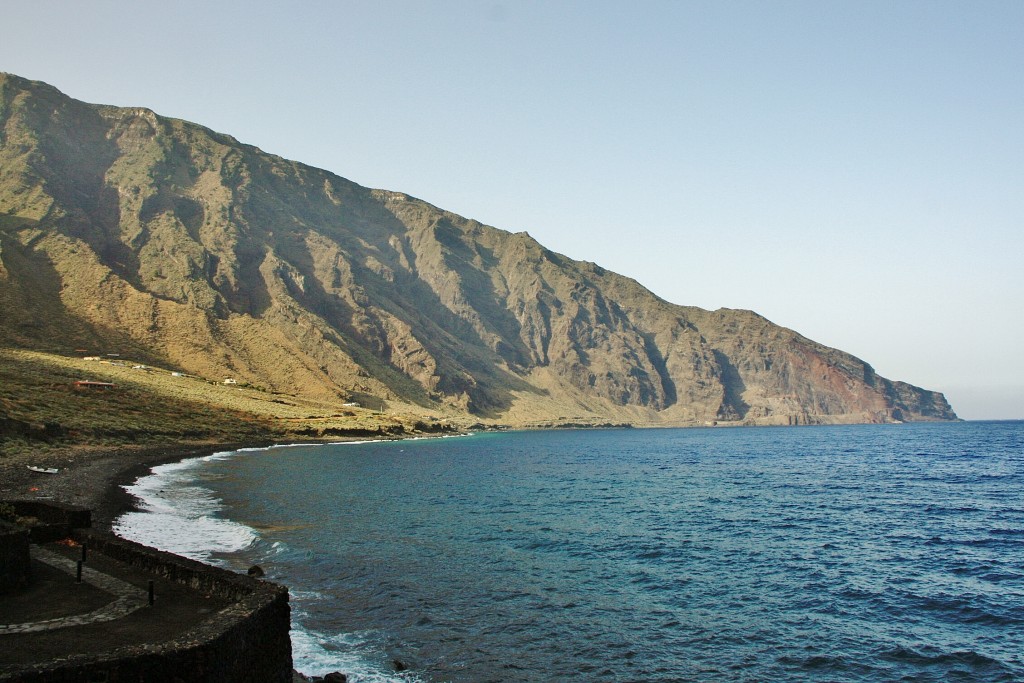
(128, 598)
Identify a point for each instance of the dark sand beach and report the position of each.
(93, 476)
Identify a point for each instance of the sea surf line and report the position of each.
(178, 513)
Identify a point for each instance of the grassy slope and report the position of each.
(153, 407)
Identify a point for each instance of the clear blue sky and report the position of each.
(851, 170)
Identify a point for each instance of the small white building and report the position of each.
(230, 381)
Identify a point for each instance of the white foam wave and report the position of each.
(354, 654)
(357, 443)
(404, 438)
(177, 514)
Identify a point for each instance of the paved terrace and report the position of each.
(204, 625)
(57, 616)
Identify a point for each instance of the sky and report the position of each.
(852, 170)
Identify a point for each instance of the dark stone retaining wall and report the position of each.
(200, 577)
(14, 559)
(56, 520)
(246, 642)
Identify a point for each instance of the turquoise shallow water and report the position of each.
(860, 553)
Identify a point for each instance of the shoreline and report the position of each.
(94, 476)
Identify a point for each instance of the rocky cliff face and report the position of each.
(121, 229)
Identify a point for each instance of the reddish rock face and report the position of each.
(120, 225)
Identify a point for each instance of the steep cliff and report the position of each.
(124, 230)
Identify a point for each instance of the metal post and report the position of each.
(78, 575)
(85, 551)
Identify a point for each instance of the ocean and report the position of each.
(834, 553)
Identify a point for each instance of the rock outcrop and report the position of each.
(123, 229)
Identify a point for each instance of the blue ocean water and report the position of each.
(847, 553)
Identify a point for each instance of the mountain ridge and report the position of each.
(123, 229)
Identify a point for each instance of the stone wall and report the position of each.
(14, 559)
(198, 576)
(54, 520)
(246, 642)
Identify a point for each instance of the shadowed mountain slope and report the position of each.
(125, 231)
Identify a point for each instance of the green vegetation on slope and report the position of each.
(41, 406)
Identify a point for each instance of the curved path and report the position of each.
(128, 598)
